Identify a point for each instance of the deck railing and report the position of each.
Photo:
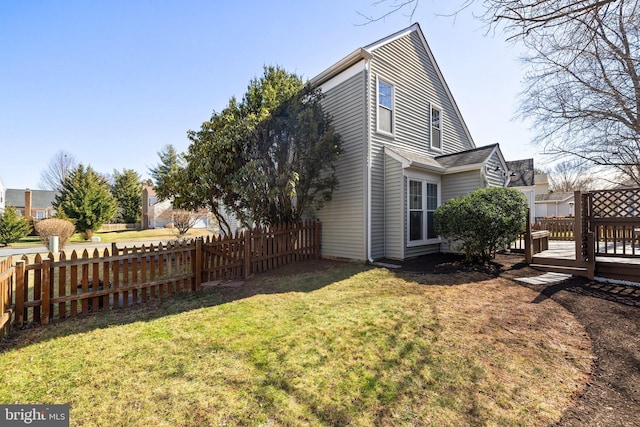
(559, 228)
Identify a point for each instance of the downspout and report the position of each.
(368, 204)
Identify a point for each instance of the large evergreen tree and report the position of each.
(127, 190)
(166, 174)
(13, 226)
(86, 199)
(269, 158)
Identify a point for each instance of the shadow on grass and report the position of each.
(306, 276)
(621, 294)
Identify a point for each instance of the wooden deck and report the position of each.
(561, 258)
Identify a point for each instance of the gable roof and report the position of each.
(40, 199)
(521, 173)
(448, 163)
(366, 53)
(469, 157)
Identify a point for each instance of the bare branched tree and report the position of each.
(583, 88)
(59, 167)
(184, 220)
(571, 175)
(518, 17)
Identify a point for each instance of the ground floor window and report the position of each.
(422, 203)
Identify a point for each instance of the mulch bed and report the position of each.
(610, 314)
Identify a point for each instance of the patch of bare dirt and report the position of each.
(610, 314)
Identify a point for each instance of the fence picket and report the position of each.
(85, 283)
(73, 290)
(46, 289)
(106, 279)
(62, 287)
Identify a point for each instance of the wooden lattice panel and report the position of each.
(615, 203)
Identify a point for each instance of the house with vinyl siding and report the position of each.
(406, 150)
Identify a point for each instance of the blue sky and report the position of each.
(112, 82)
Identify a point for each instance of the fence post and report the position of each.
(247, 253)
(591, 255)
(114, 249)
(528, 243)
(45, 297)
(577, 224)
(19, 316)
(198, 264)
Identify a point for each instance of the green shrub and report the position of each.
(13, 226)
(482, 222)
(62, 228)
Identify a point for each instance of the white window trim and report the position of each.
(425, 179)
(432, 107)
(393, 106)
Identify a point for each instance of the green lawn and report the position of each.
(340, 344)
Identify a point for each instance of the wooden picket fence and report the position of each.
(6, 295)
(61, 286)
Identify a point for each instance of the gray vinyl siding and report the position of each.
(495, 177)
(405, 63)
(460, 184)
(394, 209)
(343, 218)
(416, 251)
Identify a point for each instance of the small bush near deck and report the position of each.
(13, 226)
(62, 228)
(483, 221)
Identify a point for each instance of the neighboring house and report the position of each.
(551, 204)
(554, 204)
(406, 150)
(155, 213)
(158, 213)
(522, 177)
(37, 204)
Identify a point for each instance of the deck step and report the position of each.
(564, 262)
(573, 270)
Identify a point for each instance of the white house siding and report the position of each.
(405, 63)
(394, 209)
(344, 217)
(460, 184)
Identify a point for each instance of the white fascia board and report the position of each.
(343, 76)
(345, 63)
(395, 36)
(395, 156)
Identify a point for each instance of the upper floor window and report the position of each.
(436, 128)
(385, 107)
